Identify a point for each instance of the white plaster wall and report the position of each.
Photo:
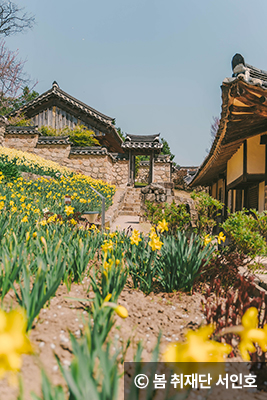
(255, 156)
(235, 165)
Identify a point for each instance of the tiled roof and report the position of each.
(100, 121)
(53, 140)
(56, 91)
(243, 115)
(247, 72)
(88, 150)
(119, 156)
(142, 142)
(21, 130)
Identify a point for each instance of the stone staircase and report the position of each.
(131, 202)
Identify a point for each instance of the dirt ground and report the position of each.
(148, 315)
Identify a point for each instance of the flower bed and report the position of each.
(109, 290)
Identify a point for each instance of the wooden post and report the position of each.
(151, 167)
(129, 166)
(132, 170)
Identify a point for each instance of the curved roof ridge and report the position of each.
(56, 90)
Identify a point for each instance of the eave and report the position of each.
(243, 115)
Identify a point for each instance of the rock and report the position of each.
(151, 197)
(145, 190)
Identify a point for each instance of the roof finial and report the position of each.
(55, 84)
(237, 59)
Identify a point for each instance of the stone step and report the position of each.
(128, 213)
(131, 208)
(131, 202)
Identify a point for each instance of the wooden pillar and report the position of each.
(129, 167)
(132, 169)
(151, 167)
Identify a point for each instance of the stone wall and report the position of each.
(155, 193)
(143, 174)
(162, 171)
(96, 166)
(120, 172)
(21, 142)
(95, 162)
(57, 153)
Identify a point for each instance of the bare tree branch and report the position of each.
(214, 127)
(12, 77)
(13, 19)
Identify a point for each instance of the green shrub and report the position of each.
(81, 136)
(49, 131)
(78, 136)
(9, 170)
(247, 231)
(208, 209)
(175, 215)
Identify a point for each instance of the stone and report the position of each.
(150, 197)
(145, 189)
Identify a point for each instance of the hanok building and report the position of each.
(236, 167)
(113, 161)
(57, 109)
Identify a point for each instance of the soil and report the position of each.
(148, 315)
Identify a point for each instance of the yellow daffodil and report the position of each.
(152, 232)
(249, 334)
(207, 240)
(119, 310)
(155, 243)
(135, 238)
(107, 298)
(107, 246)
(24, 219)
(69, 210)
(13, 340)
(197, 348)
(221, 238)
(163, 226)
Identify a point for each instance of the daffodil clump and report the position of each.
(42, 201)
(220, 238)
(30, 162)
(155, 242)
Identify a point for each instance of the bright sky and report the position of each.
(154, 65)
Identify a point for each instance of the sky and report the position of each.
(156, 66)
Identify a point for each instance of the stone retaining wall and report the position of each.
(21, 142)
(95, 162)
(143, 174)
(162, 171)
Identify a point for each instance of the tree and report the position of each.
(214, 128)
(166, 148)
(13, 19)
(14, 89)
(122, 134)
(10, 104)
(213, 131)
